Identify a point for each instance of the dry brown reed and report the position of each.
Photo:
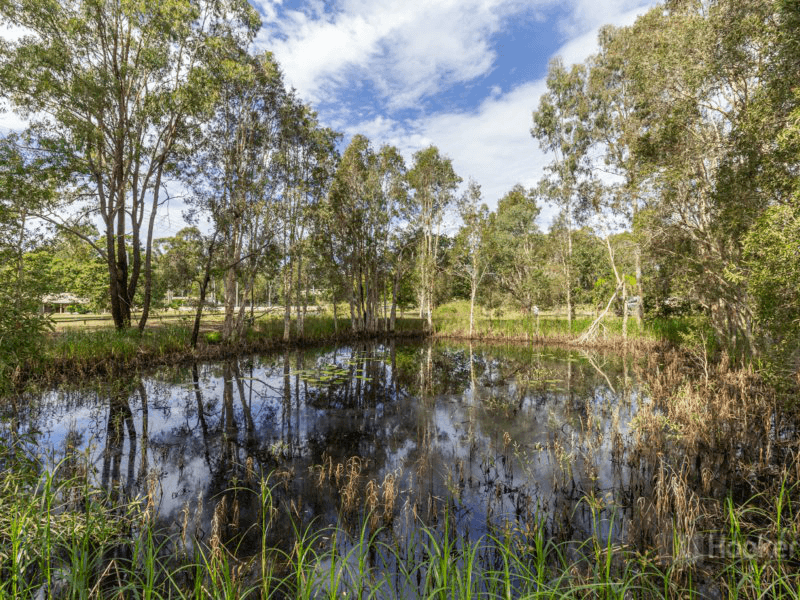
(185, 525)
(727, 438)
(357, 492)
(249, 470)
(217, 524)
(198, 515)
(390, 493)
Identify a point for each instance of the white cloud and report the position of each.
(410, 50)
(12, 33)
(588, 15)
(406, 49)
(10, 121)
(493, 144)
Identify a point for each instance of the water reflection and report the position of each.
(488, 435)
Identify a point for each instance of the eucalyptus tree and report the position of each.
(178, 260)
(522, 258)
(562, 124)
(434, 182)
(397, 248)
(27, 182)
(109, 85)
(24, 186)
(367, 198)
(236, 180)
(355, 213)
(306, 159)
(474, 244)
(695, 70)
(616, 127)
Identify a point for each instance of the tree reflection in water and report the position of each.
(489, 435)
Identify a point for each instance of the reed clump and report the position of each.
(722, 447)
(716, 512)
(358, 495)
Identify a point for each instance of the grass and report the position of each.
(452, 319)
(60, 537)
(73, 352)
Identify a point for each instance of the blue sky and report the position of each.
(464, 75)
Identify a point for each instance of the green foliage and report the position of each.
(359, 231)
(522, 255)
(22, 338)
(121, 87)
(70, 268)
(22, 326)
(433, 182)
(213, 337)
(59, 533)
(772, 259)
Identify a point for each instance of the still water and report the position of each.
(399, 433)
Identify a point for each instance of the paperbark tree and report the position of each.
(693, 78)
(236, 181)
(474, 247)
(616, 126)
(307, 159)
(366, 199)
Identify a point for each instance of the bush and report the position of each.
(213, 337)
(22, 331)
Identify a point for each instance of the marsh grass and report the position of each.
(81, 352)
(723, 521)
(452, 320)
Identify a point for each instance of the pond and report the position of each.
(387, 469)
(492, 436)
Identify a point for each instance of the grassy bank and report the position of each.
(62, 538)
(74, 353)
(452, 320)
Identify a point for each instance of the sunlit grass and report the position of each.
(75, 352)
(452, 319)
(117, 344)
